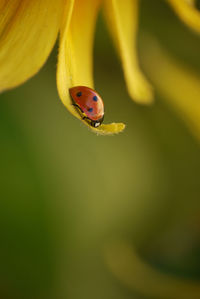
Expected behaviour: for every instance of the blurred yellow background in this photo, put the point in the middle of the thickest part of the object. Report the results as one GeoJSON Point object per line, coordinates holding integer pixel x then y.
{"type": "Point", "coordinates": [68, 197]}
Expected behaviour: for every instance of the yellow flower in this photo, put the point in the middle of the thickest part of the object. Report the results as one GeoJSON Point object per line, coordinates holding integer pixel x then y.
{"type": "Point", "coordinates": [29, 29]}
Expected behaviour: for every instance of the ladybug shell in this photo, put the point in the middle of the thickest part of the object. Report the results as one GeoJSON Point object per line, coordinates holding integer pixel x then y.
{"type": "Point", "coordinates": [89, 102]}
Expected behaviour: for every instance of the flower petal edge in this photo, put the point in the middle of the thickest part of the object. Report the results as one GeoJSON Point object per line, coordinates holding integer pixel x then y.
{"type": "Point", "coordinates": [187, 12]}
{"type": "Point", "coordinates": [121, 17]}
{"type": "Point", "coordinates": [28, 31]}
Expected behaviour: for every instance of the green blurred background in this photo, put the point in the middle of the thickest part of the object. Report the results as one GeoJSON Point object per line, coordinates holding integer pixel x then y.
{"type": "Point", "coordinates": [66, 193]}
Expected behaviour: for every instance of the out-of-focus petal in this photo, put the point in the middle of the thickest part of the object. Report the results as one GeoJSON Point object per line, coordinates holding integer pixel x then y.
{"type": "Point", "coordinates": [187, 12]}
{"type": "Point", "coordinates": [122, 18]}
{"type": "Point", "coordinates": [28, 31]}
{"type": "Point", "coordinates": [179, 85]}
{"type": "Point", "coordinates": [126, 265]}
{"type": "Point", "coordinates": [75, 61]}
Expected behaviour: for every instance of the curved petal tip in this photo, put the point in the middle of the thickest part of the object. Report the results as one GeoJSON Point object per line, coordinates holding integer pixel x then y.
{"type": "Point", "coordinates": [109, 129]}
{"type": "Point", "coordinates": [103, 129]}
{"type": "Point", "coordinates": [142, 92]}
{"type": "Point", "coordinates": [187, 12]}
{"type": "Point", "coordinates": [122, 20]}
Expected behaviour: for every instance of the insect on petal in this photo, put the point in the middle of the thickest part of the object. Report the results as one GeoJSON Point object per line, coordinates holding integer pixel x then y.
{"type": "Point", "coordinates": [75, 61]}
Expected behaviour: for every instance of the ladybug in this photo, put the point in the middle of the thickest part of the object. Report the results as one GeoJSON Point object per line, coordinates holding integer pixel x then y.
{"type": "Point", "coordinates": [88, 103]}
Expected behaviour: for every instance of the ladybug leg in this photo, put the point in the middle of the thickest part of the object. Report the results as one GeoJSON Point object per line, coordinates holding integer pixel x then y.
{"type": "Point", "coordinates": [80, 110]}
{"type": "Point", "coordinates": [85, 117]}
{"type": "Point", "coordinates": [77, 106]}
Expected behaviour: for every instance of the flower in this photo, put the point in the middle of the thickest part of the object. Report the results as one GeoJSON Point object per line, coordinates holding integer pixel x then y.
{"type": "Point", "coordinates": [29, 29]}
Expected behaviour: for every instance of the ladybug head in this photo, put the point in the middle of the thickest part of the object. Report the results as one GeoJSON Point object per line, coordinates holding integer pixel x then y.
{"type": "Point", "coordinates": [96, 123]}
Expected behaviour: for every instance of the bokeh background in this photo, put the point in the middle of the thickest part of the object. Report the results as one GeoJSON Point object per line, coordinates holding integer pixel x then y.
{"type": "Point", "coordinates": [85, 216]}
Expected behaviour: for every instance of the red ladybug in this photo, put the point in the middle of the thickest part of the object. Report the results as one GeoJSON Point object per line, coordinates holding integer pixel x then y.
{"type": "Point", "coordinates": [88, 103]}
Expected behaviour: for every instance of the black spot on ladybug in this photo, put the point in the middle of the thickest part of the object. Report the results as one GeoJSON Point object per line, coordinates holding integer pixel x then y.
{"type": "Point", "coordinates": [79, 94]}
{"type": "Point", "coordinates": [90, 109]}
{"type": "Point", "coordinates": [95, 98]}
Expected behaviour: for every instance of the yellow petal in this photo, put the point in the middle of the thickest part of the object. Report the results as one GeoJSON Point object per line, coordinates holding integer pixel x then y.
{"type": "Point", "coordinates": [179, 85]}
{"type": "Point", "coordinates": [187, 12]}
{"type": "Point", "coordinates": [28, 30]}
{"type": "Point", "coordinates": [110, 129]}
{"type": "Point", "coordinates": [75, 55]}
{"type": "Point", "coordinates": [122, 20]}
